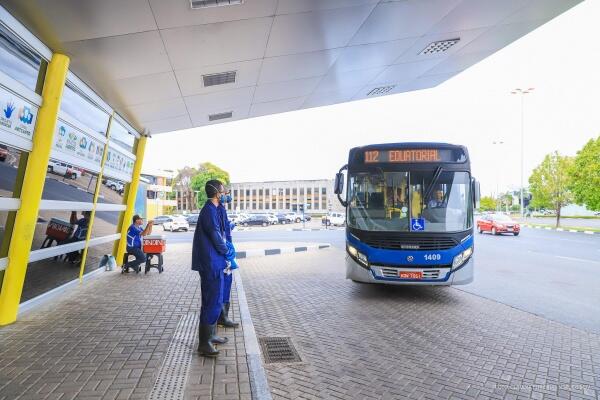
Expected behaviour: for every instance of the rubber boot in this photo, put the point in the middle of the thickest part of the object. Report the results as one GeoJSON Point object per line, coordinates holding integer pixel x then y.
{"type": "Point", "coordinates": [214, 338]}
{"type": "Point", "coordinates": [224, 319]}
{"type": "Point", "coordinates": [205, 347]}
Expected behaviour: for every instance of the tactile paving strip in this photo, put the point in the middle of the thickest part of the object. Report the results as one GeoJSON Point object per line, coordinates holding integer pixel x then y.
{"type": "Point", "coordinates": [278, 350]}
{"type": "Point", "coordinates": [170, 383]}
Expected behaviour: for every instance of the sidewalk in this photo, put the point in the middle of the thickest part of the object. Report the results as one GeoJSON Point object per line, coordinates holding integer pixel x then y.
{"type": "Point", "coordinates": [130, 336]}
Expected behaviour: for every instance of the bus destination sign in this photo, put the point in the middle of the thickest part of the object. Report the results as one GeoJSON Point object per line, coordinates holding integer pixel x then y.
{"type": "Point", "coordinates": [403, 156]}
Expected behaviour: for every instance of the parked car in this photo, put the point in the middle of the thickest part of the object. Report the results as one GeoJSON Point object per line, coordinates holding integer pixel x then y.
{"type": "Point", "coordinates": [117, 186]}
{"type": "Point", "coordinates": [257, 219]}
{"type": "Point", "coordinates": [192, 219]}
{"type": "Point", "coordinates": [497, 224]}
{"type": "Point", "coordinates": [174, 224]}
{"type": "Point", "coordinates": [298, 217]}
{"type": "Point", "coordinates": [161, 219]}
{"type": "Point", "coordinates": [273, 219]}
{"type": "Point", "coordinates": [284, 218]}
{"type": "Point", "coordinates": [3, 152]}
{"type": "Point", "coordinates": [64, 169]}
{"type": "Point", "coordinates": [334, 218]}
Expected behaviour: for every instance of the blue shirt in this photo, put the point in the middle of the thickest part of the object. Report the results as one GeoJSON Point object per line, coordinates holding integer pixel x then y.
{"type": "Point", "coordinates": [81, 230]}
{"type": "Point", "coordinates": [209, 248]}
{"type": "Point", "coordinates": [134, 236]}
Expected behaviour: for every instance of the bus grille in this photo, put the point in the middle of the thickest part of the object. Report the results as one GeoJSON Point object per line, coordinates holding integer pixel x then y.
{"type": "Point", "coordinates": [415, 243]}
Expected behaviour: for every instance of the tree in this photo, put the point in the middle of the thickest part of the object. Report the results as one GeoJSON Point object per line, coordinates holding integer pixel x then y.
{"type": "Point", "coordinates": [487, 203]}
{"type": "Point", "coordinates": [585, 175]}
{"type": "Point", "coordinates": [183, 183]}
{"type": "Point", "coordinates": [206, 172]}
{"type": "Point", "coordinates": [549, 183]}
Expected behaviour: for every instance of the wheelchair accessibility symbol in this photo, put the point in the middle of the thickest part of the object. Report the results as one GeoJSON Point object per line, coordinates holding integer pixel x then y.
{"type": "Point", "coordinates": [417, 224]}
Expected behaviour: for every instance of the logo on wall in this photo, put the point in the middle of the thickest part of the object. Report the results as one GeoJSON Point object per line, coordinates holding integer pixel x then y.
{"type": "Point", "coordinates": [8, 110]}
{"type": "Point", "coordinates": [25, 115]}
{"type": "Point", "coordinates": [62, 131]}
{"type": "Point", "coordinates": [71, 141]}
{"type": "Point", "coordinates": [83, 143]}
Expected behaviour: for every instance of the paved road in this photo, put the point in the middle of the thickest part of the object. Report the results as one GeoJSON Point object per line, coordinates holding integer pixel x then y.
{"type": "Point", "coordinates": [360, 341]}
{"type": "Point", "coordinates": [548, 273]}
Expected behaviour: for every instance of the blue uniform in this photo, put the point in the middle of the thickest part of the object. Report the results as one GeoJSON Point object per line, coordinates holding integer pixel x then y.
{"type": "Point", "coordinates": [208, 258]}
{"type": "Point", "coordinates": [227, 279]}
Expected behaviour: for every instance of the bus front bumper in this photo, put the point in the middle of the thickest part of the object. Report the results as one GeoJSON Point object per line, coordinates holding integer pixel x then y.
{"type": "Point", "coordinates": [388, 275]}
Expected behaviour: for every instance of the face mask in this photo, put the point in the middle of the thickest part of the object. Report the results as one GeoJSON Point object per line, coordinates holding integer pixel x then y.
{"type": "Point", "coordinates": [225, 198]}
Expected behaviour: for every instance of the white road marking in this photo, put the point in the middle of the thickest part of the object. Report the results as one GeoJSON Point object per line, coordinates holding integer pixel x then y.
{"type": "Point", "coordinates": [578, 259]}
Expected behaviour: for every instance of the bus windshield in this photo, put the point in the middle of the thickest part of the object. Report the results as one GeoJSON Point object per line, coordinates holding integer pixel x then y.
{"type": "Point", "coordinates": [426, 200]}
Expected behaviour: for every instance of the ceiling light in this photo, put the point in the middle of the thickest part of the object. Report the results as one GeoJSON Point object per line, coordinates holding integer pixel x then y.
{"type": "Point", "coordinates": [380, 90]}
{"type": "Point", "coordinates": [224, 115]}
{"type": "Point", "coordinates": [197, 4]}
{"type": "Point", "coordinates": [439, 46]}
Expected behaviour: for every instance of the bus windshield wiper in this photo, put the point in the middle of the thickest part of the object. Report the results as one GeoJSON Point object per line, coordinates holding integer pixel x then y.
{"type": "Point", "coordinates": [434, 179]}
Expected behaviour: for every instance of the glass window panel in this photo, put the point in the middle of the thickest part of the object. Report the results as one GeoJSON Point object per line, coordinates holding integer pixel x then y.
{"type": "Point", "coordinates": [9, 164]}
{"type": "Point", "coordinates": [55, 228]}
{"type": "Point", "coordinates": [67, 182]}
{"type": "Point", "coordinates": [17, 60]}
{"type": "Point", "coordinates": [105, 223]}
{"type": "Point", "coordinates": [85, 111]}
{"type": "Point", "coordinates": [95, 254]}
{"type": "Point", "coordinates": [111, 191]}
{"type": "Point", "coordinates": [45, 275]}
{"type": "Point", "coordinates": [121, 136]}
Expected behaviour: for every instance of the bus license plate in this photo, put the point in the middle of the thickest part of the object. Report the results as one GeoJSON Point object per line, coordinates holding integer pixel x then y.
{"type": "Point", "coordinates": [410, 274]}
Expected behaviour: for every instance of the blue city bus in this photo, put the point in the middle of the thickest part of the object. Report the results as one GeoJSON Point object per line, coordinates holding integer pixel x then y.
{"type": "Point", "coordinates": [409, 214]}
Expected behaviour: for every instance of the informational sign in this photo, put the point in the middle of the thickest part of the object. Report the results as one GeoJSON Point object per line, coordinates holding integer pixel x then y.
{"type": "Point", "coordinates": [76, 143]}
{"type": "Point", "coordinates": [417, 224]}
{"type": "Point", "coordinates": [119, 162]}
{"type": "Point", "coordinates": [17, 116]}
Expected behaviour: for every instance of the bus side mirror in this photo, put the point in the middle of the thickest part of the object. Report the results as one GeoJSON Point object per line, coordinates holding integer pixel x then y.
{"type": "Point", "coordinates": [338, 186]}
{"type": "Point", "coordinates": [476, 192]}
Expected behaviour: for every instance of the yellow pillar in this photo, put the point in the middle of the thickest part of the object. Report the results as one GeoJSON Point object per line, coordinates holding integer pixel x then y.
{"type": "Point", "coordinates": [33, 186]}
{"type": "Point", "coordinates": [88, 234]}
{"type": "Point", "coordinates": [132, 188]}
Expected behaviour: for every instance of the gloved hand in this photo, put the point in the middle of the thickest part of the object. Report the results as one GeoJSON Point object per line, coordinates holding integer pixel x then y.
{"type": "Point", "coordinates": [230, 256]}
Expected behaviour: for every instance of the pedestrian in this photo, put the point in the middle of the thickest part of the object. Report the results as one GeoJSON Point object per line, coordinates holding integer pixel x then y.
{"type": "Point", "coordinates": [134, 242]}
{"type": "Point", "coordinates": [228, 276]}
{"type": "Point", "coordinates": [209, 253]}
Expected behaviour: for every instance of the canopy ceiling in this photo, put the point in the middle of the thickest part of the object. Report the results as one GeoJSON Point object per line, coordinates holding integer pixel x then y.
{"type": "Point", "coordinates": [153, 60]}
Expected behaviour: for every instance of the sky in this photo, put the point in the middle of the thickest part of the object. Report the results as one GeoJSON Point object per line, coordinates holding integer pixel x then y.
{"type": "Point", "coordinates": [561, 60]}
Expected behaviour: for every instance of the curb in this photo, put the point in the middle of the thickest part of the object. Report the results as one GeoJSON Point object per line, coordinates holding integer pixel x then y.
{"type": "Point", "coordinates": [548, 228]}
{"type": "Point", "coordinates": [259, 385]}
{"type": "Point", "coordinates": [282, 250]}
{"type": "Point", "coordinates": [313, 229]}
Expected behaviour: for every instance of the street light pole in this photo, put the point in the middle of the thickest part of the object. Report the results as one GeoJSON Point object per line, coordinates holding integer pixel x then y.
{"type": "Point", "coordinates": [497, 142]}
{"type": "Point", "coordinates": [522, 93]}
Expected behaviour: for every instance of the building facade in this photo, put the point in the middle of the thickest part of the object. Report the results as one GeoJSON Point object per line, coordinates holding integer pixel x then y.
{"type": "Point", "coordinates": [283, 196]}
{"type": "Point", "coordinates": [158, 188]}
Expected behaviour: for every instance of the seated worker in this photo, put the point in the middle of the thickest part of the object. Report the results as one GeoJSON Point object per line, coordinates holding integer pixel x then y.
{"type": "Point", "coordinates": [134, 241]}
{"type": "Point", "coordinates": [80, 233]}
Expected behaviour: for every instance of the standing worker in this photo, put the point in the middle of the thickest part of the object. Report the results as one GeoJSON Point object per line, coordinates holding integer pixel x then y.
{"type": "Point", "coordinates": [228, 276]}
{"type": "Point", "coordinates": [209, 254]}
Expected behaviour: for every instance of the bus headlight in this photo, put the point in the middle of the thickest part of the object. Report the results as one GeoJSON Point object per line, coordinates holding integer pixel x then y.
{"type": "Point", "coordinates": [358, 256]}
{"type": "Point", "coordinates": [461, 258]}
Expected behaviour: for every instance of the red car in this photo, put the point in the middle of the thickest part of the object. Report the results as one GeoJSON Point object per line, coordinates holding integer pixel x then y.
{"type": "Point", "coordinates": [497, 224]}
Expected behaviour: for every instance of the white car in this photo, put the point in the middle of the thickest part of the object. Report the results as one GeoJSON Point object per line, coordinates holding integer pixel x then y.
{"type": "Point", "coordinates": [273, 219]}
{"type": "Point", "coordinates": [115, 185]}
{"type": "Point", "coordinates": [64, 169]}
{"type": "Point", "coordinates": [174, 224]}
{"type": "Point", "coordinates": [334, 218]}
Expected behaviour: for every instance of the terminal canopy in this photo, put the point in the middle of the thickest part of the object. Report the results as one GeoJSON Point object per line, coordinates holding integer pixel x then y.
{"type": "Point", "coordinates": [167, 65]}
